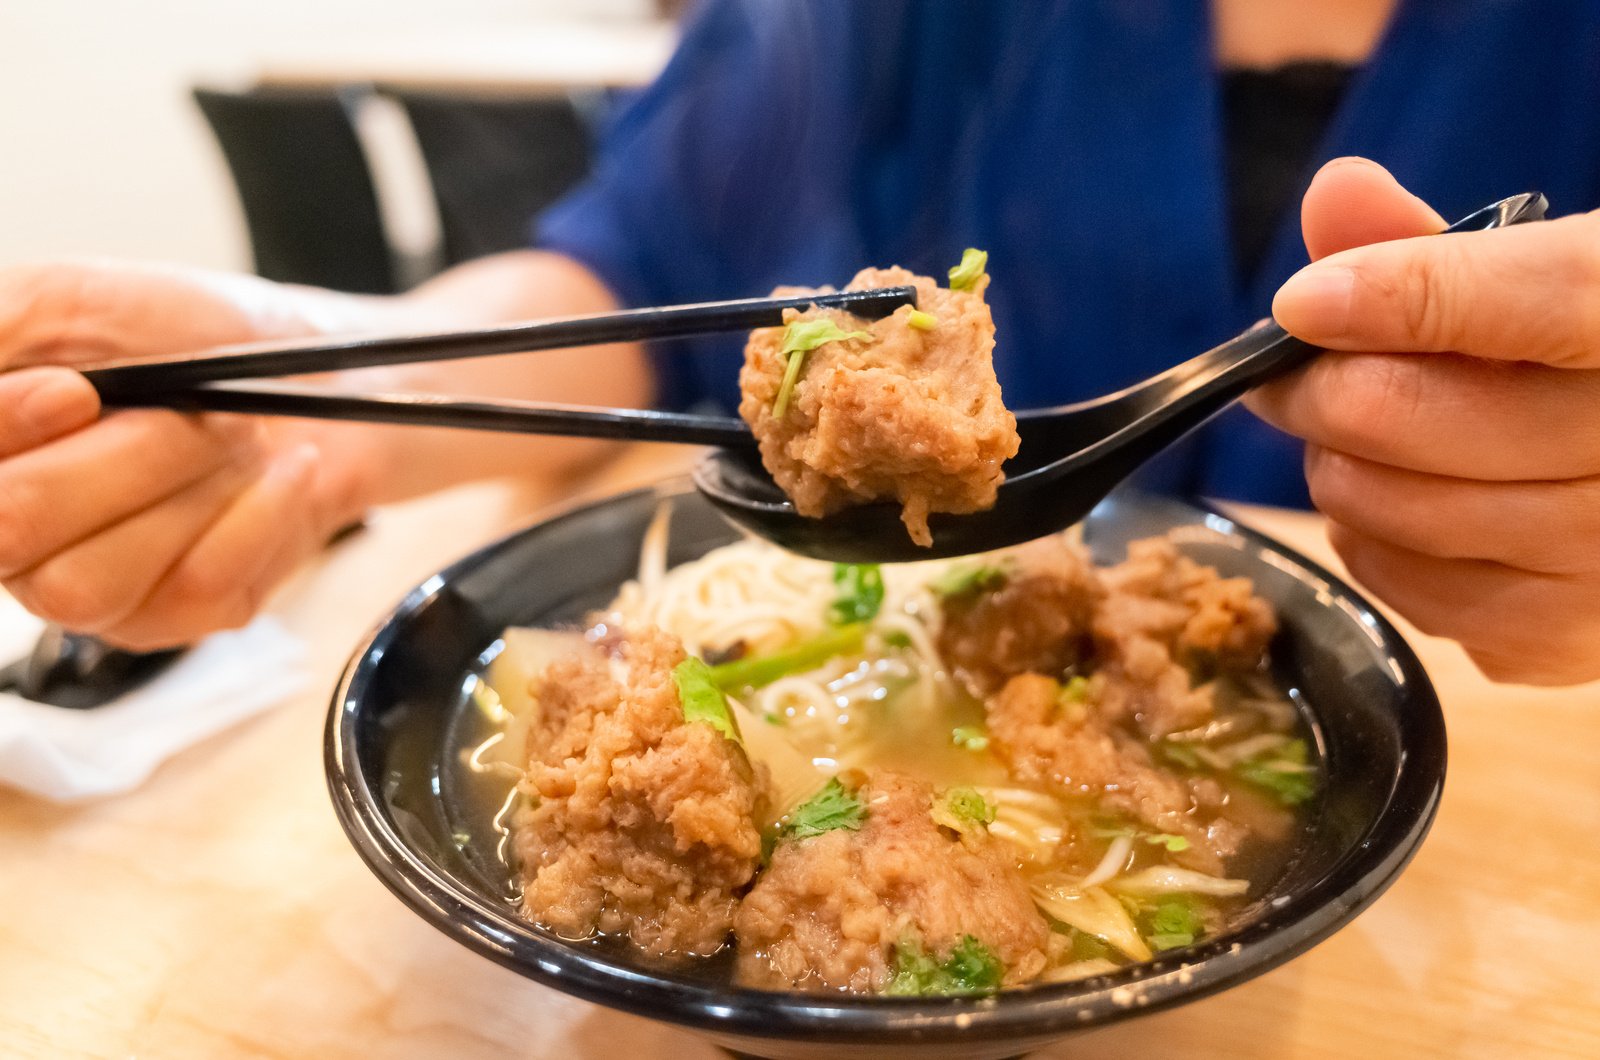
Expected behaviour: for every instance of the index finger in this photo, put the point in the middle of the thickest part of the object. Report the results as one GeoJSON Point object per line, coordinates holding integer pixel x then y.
{"type": "Point", "coordinates": [1530, 292]}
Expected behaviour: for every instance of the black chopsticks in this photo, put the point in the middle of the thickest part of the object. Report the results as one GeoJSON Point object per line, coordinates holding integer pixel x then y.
{"type": "Point", "coordinates": [133, 382]}
{"type": "Point", "coordinates": [208, 381]}
{"type": "Point", "coordinates": [427, 410]}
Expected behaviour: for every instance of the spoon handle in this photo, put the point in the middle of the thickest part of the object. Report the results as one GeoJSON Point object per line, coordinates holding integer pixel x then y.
{"type": "Point", "coordinates": [1266, 350]}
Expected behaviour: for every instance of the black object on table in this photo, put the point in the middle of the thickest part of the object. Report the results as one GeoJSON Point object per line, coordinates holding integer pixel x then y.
{"type": "Point", "coordinates": [81, 672]}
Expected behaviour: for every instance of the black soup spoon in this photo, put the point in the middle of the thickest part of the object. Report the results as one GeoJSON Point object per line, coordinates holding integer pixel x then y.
{"type": "Point", "coordinates": [1071, 455]}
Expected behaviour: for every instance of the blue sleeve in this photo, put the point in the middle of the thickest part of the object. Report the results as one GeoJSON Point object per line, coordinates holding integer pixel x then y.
{"type": "Point", "coordinates": [697, 190]}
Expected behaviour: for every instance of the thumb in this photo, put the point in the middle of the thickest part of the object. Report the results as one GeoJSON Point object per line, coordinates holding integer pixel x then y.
{"type": "Point", "coordinates": [1524, 293]}
{"type": "Point", "coordinates": [1354, 201]}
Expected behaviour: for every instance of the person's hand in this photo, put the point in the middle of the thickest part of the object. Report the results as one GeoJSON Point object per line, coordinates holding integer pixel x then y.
{"type": "Point", "coordinates": [147, 527]}
{"type": "Point", "coordinates": [1454, 443]}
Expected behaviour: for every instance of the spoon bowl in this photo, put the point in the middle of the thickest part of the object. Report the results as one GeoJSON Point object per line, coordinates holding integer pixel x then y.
{"type": "Point", "coordinates": [1071, 456]}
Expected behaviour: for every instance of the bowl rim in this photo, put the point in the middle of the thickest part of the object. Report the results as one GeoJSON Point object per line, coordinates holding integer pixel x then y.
{"type": "Point", "coordinates": [1294, 924]}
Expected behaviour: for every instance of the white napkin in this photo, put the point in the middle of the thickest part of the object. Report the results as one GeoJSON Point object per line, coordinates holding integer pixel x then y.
{"type": "Point", "coordinates": [67, 755]}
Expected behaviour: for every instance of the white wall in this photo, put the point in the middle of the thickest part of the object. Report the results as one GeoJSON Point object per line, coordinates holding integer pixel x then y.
{"type": "Point", "coordinates": [101, 150]}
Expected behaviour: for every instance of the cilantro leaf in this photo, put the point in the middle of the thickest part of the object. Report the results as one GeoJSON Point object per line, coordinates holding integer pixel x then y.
{"type": "Point", "coordinates": [769, 843]}
{"type": "Point", "coordinates": [860, 593]}
{"type": "Point", "coordinates": [1174, 923]}
{"type": "Point", "coordinates": [1282, 772]}
{"type": "Point", "coordinates": [702, 700]}
{"type": "Point", "coordinates": [959, 581]}
{"type": "Point", "coordinates": [832, 807]}
{"type": "Point", "coordinates": [971, 968]}
{"type": "Point", "coordinates": [966, 275]}
{"type": "Point", "coordinates": [915, 973]}
{"type": "Point", "coordinates": [972, 737]}
{"type": "Point", "coordinates": [799, 339]}
{"type": "Point", "coordinates": [1179, 753]}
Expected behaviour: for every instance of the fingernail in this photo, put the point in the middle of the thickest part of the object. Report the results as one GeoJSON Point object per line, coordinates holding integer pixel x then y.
{"type": "Point", "coordinates": [1315, 302]}
{"type": "Point", "coordinates": [56, 405]}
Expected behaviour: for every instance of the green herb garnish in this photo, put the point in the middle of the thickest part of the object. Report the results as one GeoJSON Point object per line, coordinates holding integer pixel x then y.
{"type": "Point", "coordinates": [962, 809]}
{"type": "Point", "coordinates": [959, 581]}
{"type": "Point", "coordinates": [915, 973]}
{"type": "Point", "coordinates": [972, 737]}
{"type": "Point", "coordinates": [966, 275]}
{"type": "Point", "coordinates": [769, 843]}
{"type": "Point", "coordinates": [702, 700]}
{"type": "Point", "coordinates": [1087, 947]}
{"type": "Point", "coordinates": [922, 321]}
{"type": "Point", "coordinates": [860, 596]}
{"type": "Point", "coordinates": [761, 670]}
{"type": "Point", "coordinates": [799, 339]}
{"type": "Point", "coordinates": [1074, 690]}
{"type": "Point", "coordinates": [1174, 923]}
{"type": "Point", "coordinates": [1282, 772]}
{"type": "Point", "coordinates": [971, 968]}
{"type": "Point", "coordinates": [1178, 753]}
{"type": "Point", "coordinates": [1175, 844]}
{"type": "Point", "coordinates": [833, 807]}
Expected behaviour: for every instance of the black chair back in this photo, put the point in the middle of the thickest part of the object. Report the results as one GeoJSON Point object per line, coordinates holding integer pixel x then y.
{"type": "Point", "coordinates": [305, 186]}
{"type": "Point", "coordinates": [495, 164]}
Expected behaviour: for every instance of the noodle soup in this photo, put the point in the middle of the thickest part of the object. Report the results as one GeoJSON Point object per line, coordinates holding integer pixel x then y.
{"type": "Point", "coordinates": [926, 778]}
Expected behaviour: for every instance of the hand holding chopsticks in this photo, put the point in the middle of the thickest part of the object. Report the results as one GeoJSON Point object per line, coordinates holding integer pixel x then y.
{"type": "Point", "coordinates": [207, 381]}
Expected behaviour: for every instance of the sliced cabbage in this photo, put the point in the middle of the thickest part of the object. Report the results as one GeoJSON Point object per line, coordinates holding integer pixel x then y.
{"type": "Point", "coordinates": [1170, 879]}
{"type": "Point", "coordinates": [1079, 970]}
{"type": "Point", "coordinates": [528, 652]}
{"type": "Point", "coordinates": [1093, 912]}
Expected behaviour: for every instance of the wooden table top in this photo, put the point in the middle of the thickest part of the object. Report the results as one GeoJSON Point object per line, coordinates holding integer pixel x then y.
{"type": "Point", "coordinates": [219, 911]}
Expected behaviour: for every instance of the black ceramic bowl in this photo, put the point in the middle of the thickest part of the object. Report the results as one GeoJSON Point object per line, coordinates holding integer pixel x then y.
{"type": "Point", "coordinates": [400, 720]}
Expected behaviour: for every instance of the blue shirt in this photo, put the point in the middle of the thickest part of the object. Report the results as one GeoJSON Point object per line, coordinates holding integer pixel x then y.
{"type": "Point", "coordinates": [797, 141]}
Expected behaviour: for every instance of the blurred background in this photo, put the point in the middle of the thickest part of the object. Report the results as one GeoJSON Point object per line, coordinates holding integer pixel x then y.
{"type": "Point", "coordinates": [108, 152]}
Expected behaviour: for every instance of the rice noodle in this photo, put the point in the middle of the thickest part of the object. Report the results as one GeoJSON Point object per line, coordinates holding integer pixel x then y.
{"type": "Point", "coordinates": [653, 549]}
{"type": "Point", "coordinates": [752, 595]}
{"type": "Point", "coordinates": [1115, 860]}
{"type": "Point", "coordinates": [747, 592]}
